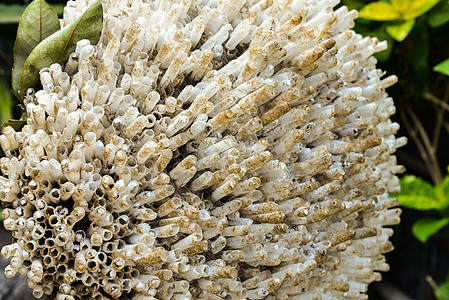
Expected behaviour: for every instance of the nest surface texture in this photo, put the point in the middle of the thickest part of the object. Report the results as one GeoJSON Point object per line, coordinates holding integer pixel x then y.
{"type": "Point", "coordinates": [205, 149]}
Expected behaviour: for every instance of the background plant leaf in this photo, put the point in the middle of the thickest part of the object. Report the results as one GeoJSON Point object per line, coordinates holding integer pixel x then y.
{"type": "Point", "coordinates": [442, 67]}
{"type": "Point", "coordinates": [442, 190]}
{"type": "Point", "coordinates": [401, 6]}
{"type": "Point", "coordinates": [11, 13]}
{"type": "Point", "coordinates": [400, 31]}
{"type": "Point", "coordinates": [439, 15]}
{"type": "Point", "coordinates": [424, 228]}
{"type": "Point", "coordinates": [379, 11]}
{"type": "Point", "coordinates": [39, 20]}
{"type": "Point", "coordinates": [419, 194]}
{"type": "Point", "coordinates": [5, 100]}
{"type": "Point", "coordinates": [419, 54]}
{"type": "Point", "coordinates": [57, 47]}
{"type": "Point", "coordinates": [418, 8]}
{"type": "Point", "coordinates": [442, 292]}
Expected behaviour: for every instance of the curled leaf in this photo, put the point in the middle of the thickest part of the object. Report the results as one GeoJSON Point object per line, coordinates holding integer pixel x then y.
{"type": "Point", "coordinates": [16, 124]}
{"type": "Point", "coordinates": [57, 47]}
{"type": "Point", "coordinates": [38, 21]}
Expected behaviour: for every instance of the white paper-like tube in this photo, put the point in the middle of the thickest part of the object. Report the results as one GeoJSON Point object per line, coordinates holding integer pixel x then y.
{"type": "Point", "coordinates": [256, 132]}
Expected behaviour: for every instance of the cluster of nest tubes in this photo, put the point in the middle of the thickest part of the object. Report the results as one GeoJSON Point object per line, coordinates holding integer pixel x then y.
{"type": "Point", "coordinates": [205, 149]}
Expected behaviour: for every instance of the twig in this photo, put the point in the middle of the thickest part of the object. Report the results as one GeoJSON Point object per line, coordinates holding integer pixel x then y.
{"type": "Point", "coordinates": [425, 155]}
{"type": "Point", "coordinates": [408, 159]}
{"type": "Point", "coordinates": [429, 96]}
{"type": "Point", "coordinates": [414, 136]}
{"type": "Point", "coordinates": [446, 126]}
{"type": "Point", "coordinates": [440, 119]}
{"type": "Point", "coordinates": [431, 151]}
{"type": "Point", "coordinates": [431, 282]}
{"type": "Point", "coordinates": [437, 130]}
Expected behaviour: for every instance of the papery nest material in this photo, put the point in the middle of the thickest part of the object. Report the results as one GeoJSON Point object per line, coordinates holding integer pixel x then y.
{"type": "Point", "coordinates": [206, 150]}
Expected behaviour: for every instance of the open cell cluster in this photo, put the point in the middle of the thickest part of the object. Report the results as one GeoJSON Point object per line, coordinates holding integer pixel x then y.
{"type": "Point", "coordinates": [205, 149]}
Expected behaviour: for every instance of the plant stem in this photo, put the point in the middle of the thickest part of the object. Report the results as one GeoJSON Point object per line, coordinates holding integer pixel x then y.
{"type": "Point", "coordinates": [432, 98]}
{"type": "Point", "coordinates": [431, 282]}
{"type": "Point", "coordinates": [446, 126]}
{"type": "Point", "coordinates": [440, 116]}
{"type": "Point", "coordinates": [434, 166]}
{"type": "Point", "coordinates": [425, 148]}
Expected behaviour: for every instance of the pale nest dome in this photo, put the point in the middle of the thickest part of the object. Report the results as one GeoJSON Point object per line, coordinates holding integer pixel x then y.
{"type": "Point", "coordinates": [206, 149]}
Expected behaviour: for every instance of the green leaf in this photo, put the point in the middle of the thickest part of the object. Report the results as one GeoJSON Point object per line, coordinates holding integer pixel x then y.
{"type": "Point", "coordinates": [442, 292]}
{"type": "Point", "coordinates": [419, 202]}
{"type": "Point", "coordinates": [57, 47]}
{"type": "Point", "coordinates": [11, 13]}
{"type": "Point", "coordinates": [400, 31]}
{"type": "Point", "coordinates": [419, 194]}
{"type": "Point", "coordinates": [439, 15]}
{"type": "Point", "coordinates": [418, 8]}
{"type": "Point", "coordinates": [16, 124]}
{"type": "Point", "coordinates": [411, 9]}
{"type": "Point", "coordinates": [401, 6]}
{"type": "Point", "coordinates": [38, 21]}
{"type": "Point", "coordinates": [442, 67]}
{"type": "Point", "coordinates": [424, 228]}
{"type": "Point", "coordinates": [442, 190]}
{"type": "Point", "coordinates": [379, 11]}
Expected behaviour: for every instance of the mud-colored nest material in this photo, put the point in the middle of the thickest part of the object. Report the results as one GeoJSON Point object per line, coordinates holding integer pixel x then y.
{"type": "Point", "coordinates": [206, 150]}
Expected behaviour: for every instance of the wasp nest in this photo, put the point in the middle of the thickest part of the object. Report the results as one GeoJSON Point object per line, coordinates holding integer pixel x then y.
{"type": "Point", "coordinates": [205, 149]}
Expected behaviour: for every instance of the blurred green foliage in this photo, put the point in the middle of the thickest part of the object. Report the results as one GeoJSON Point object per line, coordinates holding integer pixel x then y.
{"type": "Point", "coordinates": [417, 193]}
{"type": "Point", "coordinates": [442, 67]}
{"type": "Point", "coordinates": [402, 15]}
{"type": "Point", "coordinates": [421, 195]}
{"type": "Point", "coordinates": [5, 100]}
{"type": "Point", "coordinates": [442, 291]}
